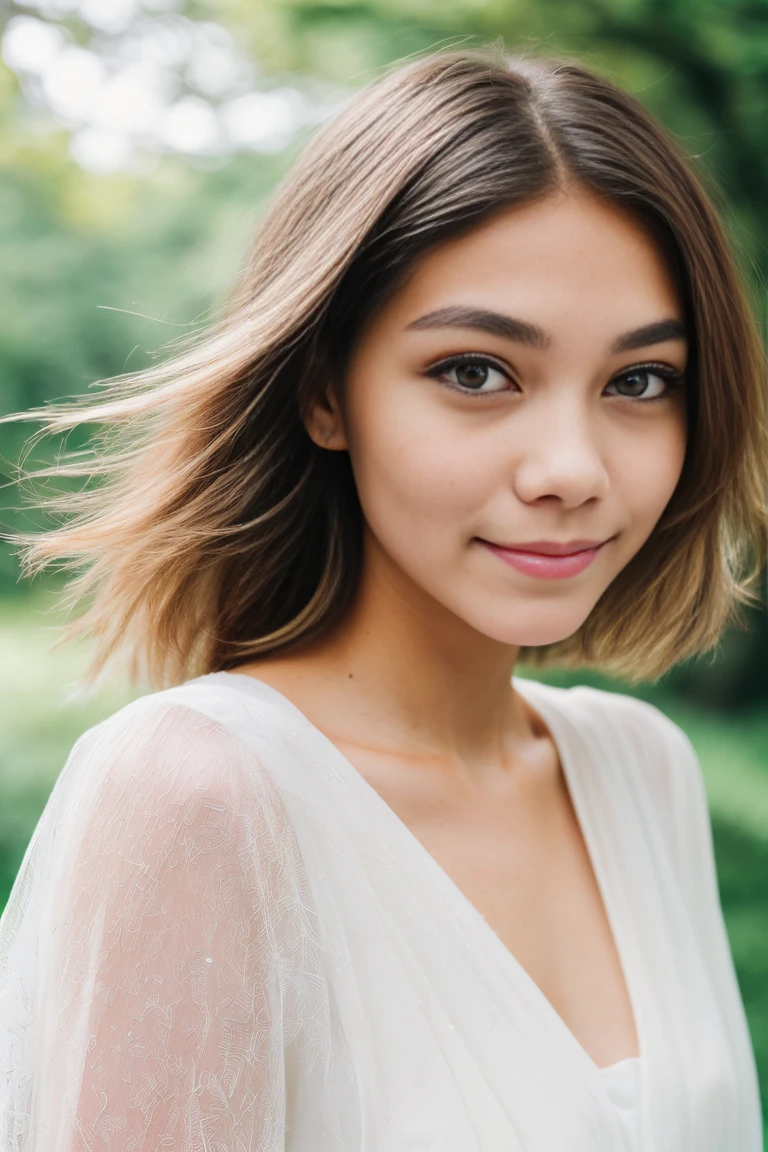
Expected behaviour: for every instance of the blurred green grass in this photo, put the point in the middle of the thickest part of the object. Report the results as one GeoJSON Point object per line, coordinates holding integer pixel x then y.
{"type": "Point", "coordinates": [39, 723]}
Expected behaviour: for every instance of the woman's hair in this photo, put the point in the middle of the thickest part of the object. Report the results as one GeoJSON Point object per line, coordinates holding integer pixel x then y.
{"type": "Point", "coordinates": [220, 532]}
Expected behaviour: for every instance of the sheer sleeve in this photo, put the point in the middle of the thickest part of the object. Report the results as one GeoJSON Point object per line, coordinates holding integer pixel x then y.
{"type": "Point", "coordinates": [160, 973]}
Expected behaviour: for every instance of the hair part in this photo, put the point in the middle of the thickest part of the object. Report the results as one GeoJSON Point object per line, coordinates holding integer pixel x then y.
{"type": "Point", "coordinates": [219, 532]}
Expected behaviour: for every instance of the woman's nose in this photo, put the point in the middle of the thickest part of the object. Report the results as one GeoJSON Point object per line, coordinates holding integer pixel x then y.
{"type": "Point", "coordinates": [561, 459]}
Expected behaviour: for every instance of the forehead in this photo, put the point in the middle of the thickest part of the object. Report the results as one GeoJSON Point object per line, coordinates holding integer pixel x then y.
{"type": "Point", "coordinates": [567, 259]}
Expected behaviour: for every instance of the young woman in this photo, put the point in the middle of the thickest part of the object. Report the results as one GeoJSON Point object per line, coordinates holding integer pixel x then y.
{"type": "Point", "coordinates": [488, 390]}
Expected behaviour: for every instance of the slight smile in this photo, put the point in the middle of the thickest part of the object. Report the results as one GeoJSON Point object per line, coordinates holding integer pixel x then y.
{"type": "Point", "coordinates": [546, 559]}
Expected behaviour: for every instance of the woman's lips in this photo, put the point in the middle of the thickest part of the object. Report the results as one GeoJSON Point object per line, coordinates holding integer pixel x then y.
{"type": "Point", "coordinates": [547, 565]}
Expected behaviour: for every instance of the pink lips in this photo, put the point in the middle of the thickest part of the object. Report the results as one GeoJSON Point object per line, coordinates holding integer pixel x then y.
{"type": "Point", "coordinates": [548, 560]}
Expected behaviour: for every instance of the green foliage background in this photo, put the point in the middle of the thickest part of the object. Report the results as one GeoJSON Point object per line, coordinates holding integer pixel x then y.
{"type": "Point", "coordinates": [99, 272]}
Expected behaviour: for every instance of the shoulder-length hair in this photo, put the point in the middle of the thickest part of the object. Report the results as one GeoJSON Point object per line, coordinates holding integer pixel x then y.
{"type": "Point", "coordinates": [219, 532]}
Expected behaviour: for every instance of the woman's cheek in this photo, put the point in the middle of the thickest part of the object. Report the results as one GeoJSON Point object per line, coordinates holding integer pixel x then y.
{"type": "Point", "coordinates": [433, 477]}
{"type": "Point", "coordinates": [418, 492]}
{"type": "Point", "coordinates": [649, 474]}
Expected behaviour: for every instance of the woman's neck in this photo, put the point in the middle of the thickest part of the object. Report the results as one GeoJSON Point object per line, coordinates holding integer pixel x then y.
{"type": "Point", "coordinates": [401, 673]}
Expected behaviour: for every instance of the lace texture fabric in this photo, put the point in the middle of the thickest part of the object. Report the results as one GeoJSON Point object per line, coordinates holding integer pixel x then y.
{"type": "Point", "coordinates": [171, 974]}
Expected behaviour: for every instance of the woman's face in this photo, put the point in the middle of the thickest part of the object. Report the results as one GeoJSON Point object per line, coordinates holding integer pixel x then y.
{"type": "Point", "coordinates": [520, 395]}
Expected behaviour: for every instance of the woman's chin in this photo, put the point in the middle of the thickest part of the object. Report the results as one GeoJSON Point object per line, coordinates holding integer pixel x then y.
{"type": "Point", "coordinates": [532, 633]}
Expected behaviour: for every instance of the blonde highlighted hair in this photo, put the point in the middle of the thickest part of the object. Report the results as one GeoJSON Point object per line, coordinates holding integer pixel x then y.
{"type": "Point", "coordinates": [218, 531]}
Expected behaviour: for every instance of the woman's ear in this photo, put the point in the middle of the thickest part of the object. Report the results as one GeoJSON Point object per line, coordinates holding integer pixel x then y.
{"type": "Point", "coordinates": [324, 422]}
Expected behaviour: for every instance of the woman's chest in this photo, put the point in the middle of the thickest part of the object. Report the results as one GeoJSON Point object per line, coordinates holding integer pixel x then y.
{"type": "Point", "coordinates": [518, 855]}
{"type": "Point", "coordinates": [525, 1000]}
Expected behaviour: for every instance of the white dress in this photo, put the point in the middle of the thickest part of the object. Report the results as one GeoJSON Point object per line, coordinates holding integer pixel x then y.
{"type": "Point", "coordinates": [624, 1084]}
{"type": "Point", "coordinates": [222, 939]}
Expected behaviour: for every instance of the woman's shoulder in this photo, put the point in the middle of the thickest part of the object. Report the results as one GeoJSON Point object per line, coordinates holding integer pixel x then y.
{"type": "Point", "coordinates": [634, 745]}
{"type": "Point", "coordinates": [190, 737]}
{"type": "Point", "coordinates": [640, 726]}
{"type": "Point", "coordinates": [205, 704]}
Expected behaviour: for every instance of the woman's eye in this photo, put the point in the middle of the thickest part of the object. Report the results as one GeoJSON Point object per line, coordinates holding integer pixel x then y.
{"type": "Point", "coordinates": [644, 383]}
{"type": "Point", "coordinates": [473, 375]}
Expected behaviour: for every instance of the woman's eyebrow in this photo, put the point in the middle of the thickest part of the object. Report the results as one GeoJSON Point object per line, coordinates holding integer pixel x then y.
{"type": "Point", "coordinates": [656, 333]}
{"type": "Point", "coordinates": [495, 323]}
{"type": "Point", "coordinates": [523, 332]}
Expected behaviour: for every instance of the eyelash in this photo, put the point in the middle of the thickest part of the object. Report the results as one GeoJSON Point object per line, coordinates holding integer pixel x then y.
{"type": "Point", "coordinates": [673, 378]}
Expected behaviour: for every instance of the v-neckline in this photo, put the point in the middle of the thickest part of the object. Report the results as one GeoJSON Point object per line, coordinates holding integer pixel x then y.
{"type": "Point", "coordinates": [551, 720]}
